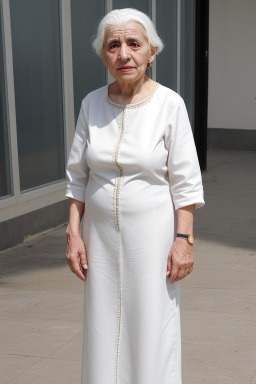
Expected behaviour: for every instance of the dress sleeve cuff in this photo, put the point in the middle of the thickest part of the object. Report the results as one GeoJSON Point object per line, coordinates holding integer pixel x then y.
{"type": "Point", "coordinates": [184, 201]}
{"type": "Point", "coordinates": [75, 194]}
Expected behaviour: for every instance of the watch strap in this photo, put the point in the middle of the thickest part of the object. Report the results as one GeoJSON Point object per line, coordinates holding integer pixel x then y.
{"type": "Point", "coordinates": [181, 235]}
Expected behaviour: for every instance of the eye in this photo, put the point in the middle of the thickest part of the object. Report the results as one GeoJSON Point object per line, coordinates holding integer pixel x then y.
{"type": "Point", "coordinates": [113, 46]}
{"type": "Point", "coordinates": [134, 44]}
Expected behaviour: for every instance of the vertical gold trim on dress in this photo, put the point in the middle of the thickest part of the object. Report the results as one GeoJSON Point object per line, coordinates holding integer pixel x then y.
{"type": "Point", "coordinates": [116, 209]}
{"type": "Point", "coordinates": [119, 170]}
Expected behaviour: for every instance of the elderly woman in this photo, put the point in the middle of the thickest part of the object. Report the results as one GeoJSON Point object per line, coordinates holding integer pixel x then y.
{"type": "Point", "coordinates": [134, 177]}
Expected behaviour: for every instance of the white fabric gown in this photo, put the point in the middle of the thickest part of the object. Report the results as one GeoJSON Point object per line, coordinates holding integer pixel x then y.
{"type": "Point", "coordinates": [133, 166]}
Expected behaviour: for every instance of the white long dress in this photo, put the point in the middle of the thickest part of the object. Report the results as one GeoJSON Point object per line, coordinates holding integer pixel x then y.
{"type": "Point", "coordinates": [133, 165]}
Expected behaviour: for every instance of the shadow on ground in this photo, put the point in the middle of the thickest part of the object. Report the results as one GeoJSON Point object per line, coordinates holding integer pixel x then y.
{"type": "Point", "coordinates": [42, 252]}
{"type": "Point", "coordinates": [229, 216]}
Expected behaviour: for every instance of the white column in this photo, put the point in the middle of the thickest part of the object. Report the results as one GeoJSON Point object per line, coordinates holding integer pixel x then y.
{"type": "Point", "coordinates": [10, 98]}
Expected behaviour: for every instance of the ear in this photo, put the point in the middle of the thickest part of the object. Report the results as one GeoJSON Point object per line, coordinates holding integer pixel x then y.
{"type": "Point", "coordinates": [153, 52]}
{"type": "Point", "coordinates": [103, 57]}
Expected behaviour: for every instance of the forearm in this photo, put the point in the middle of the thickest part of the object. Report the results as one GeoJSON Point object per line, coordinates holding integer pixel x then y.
{"type": "Point", "coordinates": [76, 210]}
{"type": "Point", "coordinates": [185, 218]}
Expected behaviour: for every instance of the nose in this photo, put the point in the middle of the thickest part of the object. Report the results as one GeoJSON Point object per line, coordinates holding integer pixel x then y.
{"type": "Point", "coordinates": [124, 53]}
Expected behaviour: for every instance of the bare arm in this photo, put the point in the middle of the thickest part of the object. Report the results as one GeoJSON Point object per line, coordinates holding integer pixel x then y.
{"type": "Point", "coordinates": [180, 259]}
{"type": "Point", "coordinates": [76, 211]}
{"type": "Point", "coordinates": [185, 217]}
{"type": "Point", "coordinates": [76, 253]}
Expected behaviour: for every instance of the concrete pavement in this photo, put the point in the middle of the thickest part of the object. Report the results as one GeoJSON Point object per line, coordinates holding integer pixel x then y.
{"type": "Point", "coordinates": [41, 300]}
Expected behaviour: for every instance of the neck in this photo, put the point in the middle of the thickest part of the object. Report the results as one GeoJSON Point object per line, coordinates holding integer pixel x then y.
{"type": "Point", "coordinates": [127, 91]}
{"type": "Point", "coordinates": [130, 89]}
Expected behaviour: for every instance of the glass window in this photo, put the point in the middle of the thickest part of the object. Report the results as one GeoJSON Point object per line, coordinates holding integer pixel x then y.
{"type": "Point", "coordinates": [5, 180]}
{"type": "Point", "coordinates": [35, 26]}
{"type": "Point", "coordinates": [88, 69]}
{"type": "Point", "coordinates": [166, 62]}
{"type": "Point", "coordinates": [141, 5]}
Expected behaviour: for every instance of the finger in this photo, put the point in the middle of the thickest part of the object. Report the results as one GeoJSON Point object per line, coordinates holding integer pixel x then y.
{"type": "Point", "coordinates": [83, 259]}
{"type": "Point", "coordinates": [169, 264]}
{"type": "Point", "coordinates": [77, 270]}
{"type": "Point", "coordinates": [75, 267]}
{"type": "Point", "coordinates": [182, 275]}
{"type": "Point", "coordinates": [186, 272]}
{"type": "Point", "coordinates": [178, 279]}
{"type": "Point", "coordinates": [174, 273]}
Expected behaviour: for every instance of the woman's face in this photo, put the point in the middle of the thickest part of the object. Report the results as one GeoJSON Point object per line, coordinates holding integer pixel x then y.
{"type": "Point", "coordinates": [126, 52]}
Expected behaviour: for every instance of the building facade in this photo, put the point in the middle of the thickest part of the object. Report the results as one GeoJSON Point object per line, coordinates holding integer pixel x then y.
{"type": "Point", "coordinates": [232, 79]}
{"type": "Point", "coordinates": [47, 66]}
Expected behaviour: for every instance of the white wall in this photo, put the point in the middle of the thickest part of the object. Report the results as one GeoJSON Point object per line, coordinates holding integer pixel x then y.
{"type": "Point", "coordinates": [232, 64]}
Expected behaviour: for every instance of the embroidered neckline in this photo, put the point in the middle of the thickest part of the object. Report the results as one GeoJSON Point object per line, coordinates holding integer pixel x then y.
{"type": "Point", "coordinates": [134, 105]}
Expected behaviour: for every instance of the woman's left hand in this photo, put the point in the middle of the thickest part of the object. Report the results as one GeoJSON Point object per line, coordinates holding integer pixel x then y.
{"type": "Point", "coordinates": [180, 260]}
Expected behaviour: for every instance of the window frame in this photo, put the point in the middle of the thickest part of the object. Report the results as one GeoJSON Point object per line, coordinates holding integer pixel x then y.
{"type": "Point", "coordinates": [5, 114]}
{"type": "Point", "coordinates": [24, 202]}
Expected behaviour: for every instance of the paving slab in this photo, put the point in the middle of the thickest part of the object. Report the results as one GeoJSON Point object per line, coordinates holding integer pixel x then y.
{"type": "Point", "coordinates": [220, 301]}
{"type": "Point", "coordinates": [42, 301]}
{"type": "Point", "coordinates": [219, 359]}
{"type": "Point", "coordinates": [212, 379]}
{"type": "Point", "coordinates": [12, 366]}
{"type": "Point", "coordinates": [50, 371]}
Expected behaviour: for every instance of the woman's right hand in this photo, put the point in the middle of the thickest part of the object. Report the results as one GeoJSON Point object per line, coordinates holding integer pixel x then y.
{"type": "Point", "coordinates": [76, 255]}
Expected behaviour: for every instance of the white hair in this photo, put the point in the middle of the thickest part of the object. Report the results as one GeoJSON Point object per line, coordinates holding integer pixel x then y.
{"type": "Point", "coordinates": [122, 16]}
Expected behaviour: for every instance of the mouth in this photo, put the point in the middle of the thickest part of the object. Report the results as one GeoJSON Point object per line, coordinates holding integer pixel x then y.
{"type": "Point", "coordinates": [125, 68]}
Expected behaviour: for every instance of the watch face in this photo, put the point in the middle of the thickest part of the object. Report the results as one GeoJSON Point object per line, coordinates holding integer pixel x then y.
{"type": "Point", "coordinates": [191, 239]}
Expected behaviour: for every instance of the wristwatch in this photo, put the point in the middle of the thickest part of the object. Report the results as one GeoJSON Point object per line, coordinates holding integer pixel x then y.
{"type": "Point", "coordinates": [190, 238]}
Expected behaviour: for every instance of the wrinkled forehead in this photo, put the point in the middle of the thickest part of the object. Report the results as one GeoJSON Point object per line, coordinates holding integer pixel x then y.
{"type": "Point", "coordinates": [131, 29]}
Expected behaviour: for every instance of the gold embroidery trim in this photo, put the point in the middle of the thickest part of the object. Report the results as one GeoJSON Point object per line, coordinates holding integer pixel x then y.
{"type": "Point", "coordinates": [116, 211]}
{"type": "Point", "coordinates": [119, 171]}
{"type": "Point", "coordinates": [132, 106]}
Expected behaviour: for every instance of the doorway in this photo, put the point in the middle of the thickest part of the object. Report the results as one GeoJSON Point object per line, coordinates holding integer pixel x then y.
{"type": "Point", "coordinates": [183, 64]}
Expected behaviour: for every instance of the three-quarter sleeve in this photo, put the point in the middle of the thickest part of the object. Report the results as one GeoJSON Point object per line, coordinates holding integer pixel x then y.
{"type": "Point", "coordinates": [183, 167]}
{"type": "Point", "coordinates": [77, 169]}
